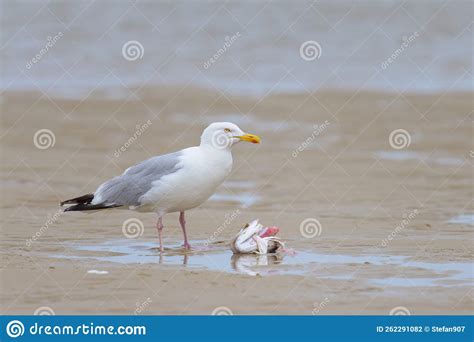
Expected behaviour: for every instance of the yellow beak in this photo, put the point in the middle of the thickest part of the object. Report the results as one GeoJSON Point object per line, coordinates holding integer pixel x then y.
{"type": "Point", "coordinates": [254, 139]}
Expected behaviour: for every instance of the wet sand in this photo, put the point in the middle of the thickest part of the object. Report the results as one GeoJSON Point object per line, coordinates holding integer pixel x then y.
{"type": "Point", "coordinates": [346, 175]}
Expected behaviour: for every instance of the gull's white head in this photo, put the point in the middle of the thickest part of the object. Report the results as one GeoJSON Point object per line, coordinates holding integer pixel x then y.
{"type": "Point", "coordinates": [222, 135]}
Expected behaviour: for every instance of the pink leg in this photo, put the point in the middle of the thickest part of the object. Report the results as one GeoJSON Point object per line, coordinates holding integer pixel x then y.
{"type": "Point", "coordinates": [159, 226]}
{"type": "Point", "coordinates": [182, 221]}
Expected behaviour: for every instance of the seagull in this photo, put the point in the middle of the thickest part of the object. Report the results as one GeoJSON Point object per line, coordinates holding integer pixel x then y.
{"type": "Point", "coordinates": [169, 183]}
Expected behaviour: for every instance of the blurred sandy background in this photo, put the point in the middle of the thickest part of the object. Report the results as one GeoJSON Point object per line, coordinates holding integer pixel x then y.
{"type": "Point", "coordinates": [371, 136]}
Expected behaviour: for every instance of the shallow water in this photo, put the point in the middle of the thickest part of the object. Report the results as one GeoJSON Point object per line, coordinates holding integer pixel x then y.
{"type": "Point", "coordinates": [218, 257]}
{"type": "Point", "coordinates": [178, 38]}
{"type": "Point", "coordinates": [237, 192]}
{"type": "Point", "coordinates": [418, 156]}
{"type": "Point", "coordinates": [463, 219]}
{"type": "Point", "coordinates": [244, 199]}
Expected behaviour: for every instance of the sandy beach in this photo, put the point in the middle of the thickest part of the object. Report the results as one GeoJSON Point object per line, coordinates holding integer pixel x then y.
{"type": "Point", "coordinates": [365, 114]}
{"type": "Point", "coordinates": [347, 177]}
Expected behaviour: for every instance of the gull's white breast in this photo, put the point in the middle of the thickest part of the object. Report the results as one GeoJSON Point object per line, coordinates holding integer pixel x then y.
{"type": "Point", "coordinates": [201, 171]}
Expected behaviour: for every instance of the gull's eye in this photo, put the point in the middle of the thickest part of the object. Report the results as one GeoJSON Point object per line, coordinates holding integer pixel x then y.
{"type": "Point", "coordinates": [247, 225]}
{"type": "Point", "coordinates": [227, 130]}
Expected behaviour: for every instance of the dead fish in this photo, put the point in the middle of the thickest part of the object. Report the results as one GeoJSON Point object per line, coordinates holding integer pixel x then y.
{"type": "Point", "coordinates": [257, 239]}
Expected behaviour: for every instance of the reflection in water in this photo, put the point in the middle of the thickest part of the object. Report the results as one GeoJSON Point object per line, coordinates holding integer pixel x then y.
{"type": "Point", "coordinates": [161, 258]}
{"type": "Point", "coordinates": [218, 257]}
{"type": "Point", "coordinates": [246, 263]}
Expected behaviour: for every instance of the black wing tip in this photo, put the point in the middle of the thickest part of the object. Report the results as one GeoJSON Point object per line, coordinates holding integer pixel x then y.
{"type": "Point", "coordinates": [85, 207]}
{"type": "Point", "coordinates": [83, 203]}
{"type": "Point", "coordinates": [85, 199]}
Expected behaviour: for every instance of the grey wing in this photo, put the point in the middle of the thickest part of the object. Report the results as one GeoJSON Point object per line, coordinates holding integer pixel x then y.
{"type": "Point", "coordinates": [137, 180]}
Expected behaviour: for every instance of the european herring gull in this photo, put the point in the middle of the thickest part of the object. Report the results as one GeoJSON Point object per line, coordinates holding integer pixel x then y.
{"type": "Point", "coordinates": [172, 182]}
